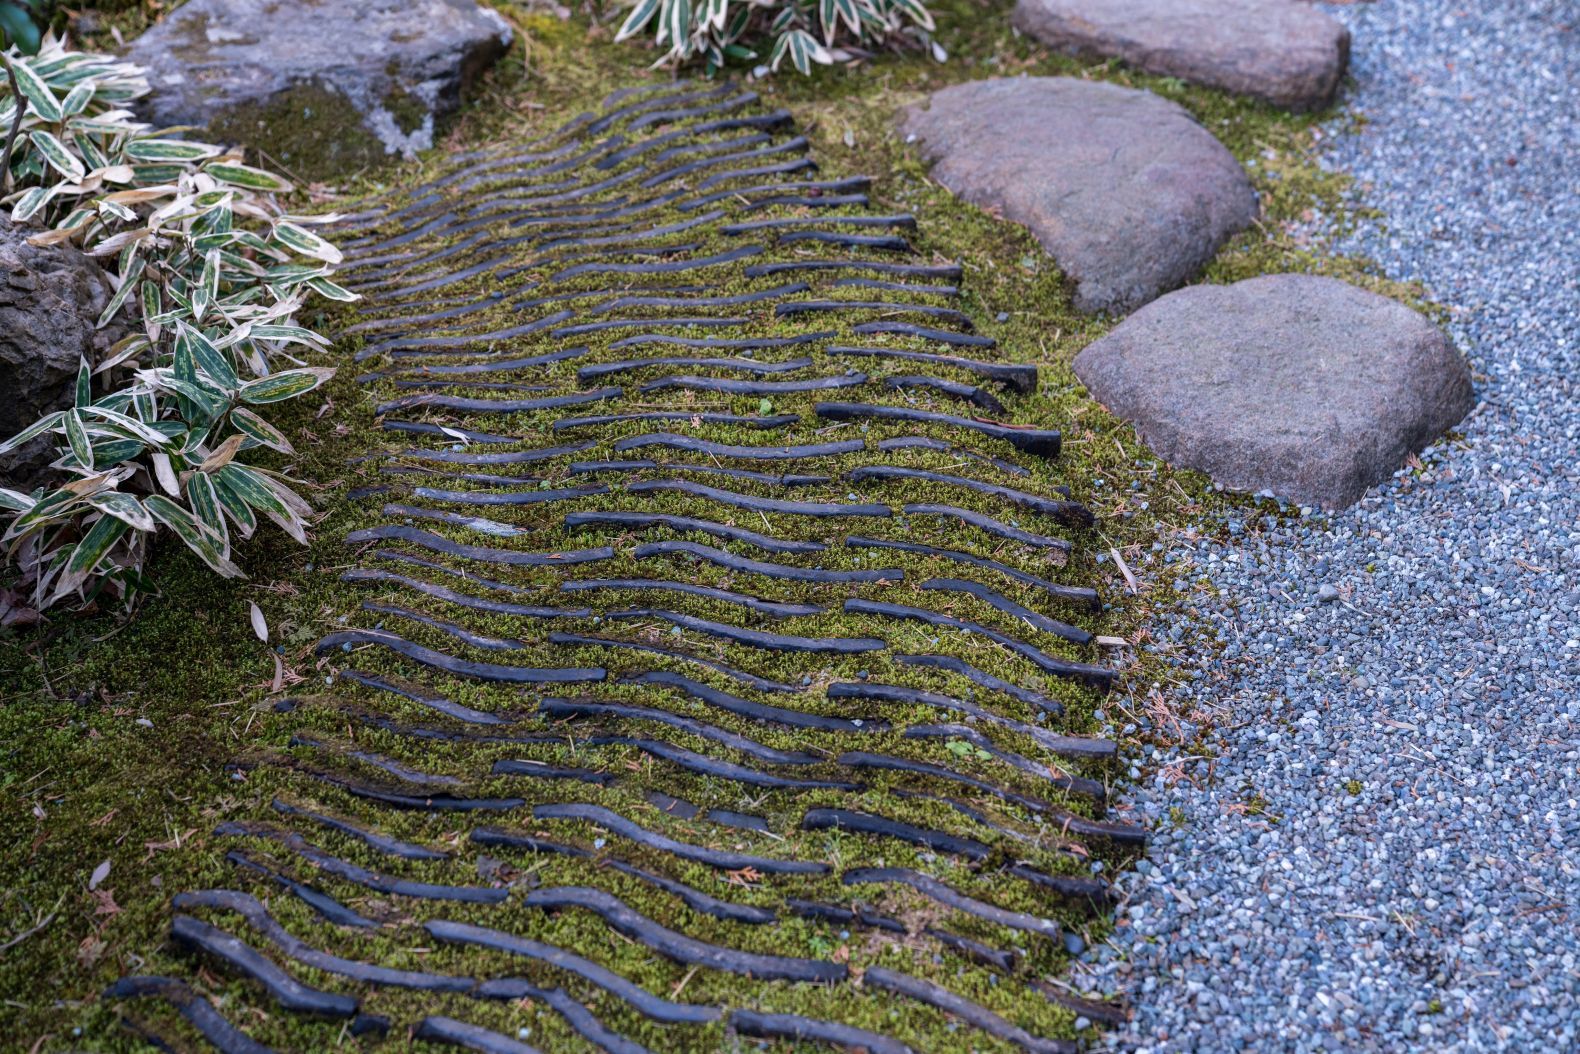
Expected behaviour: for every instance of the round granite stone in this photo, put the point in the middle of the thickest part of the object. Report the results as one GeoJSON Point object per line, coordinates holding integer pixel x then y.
{"type": "Point", "coordinates": [1306, 387]}
{"type": "Point", "coordinates": [1127, 192]}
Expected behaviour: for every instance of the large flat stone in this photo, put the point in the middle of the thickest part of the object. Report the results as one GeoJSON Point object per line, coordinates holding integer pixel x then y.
{"type": "Point", "coordinates": [1303, 386]}
{"type": "Point", "coordinates": [1127, 192]}
{"type": "Point", "coordinates": [1282, 51]}
{"type": "Point", "coordinates": [322, 88]}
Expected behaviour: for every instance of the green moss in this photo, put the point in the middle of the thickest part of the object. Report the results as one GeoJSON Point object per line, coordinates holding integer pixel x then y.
{"type": "Point", "coordinates": [309, 131]}
{"type": "Point", "coordinates": [408, 111]}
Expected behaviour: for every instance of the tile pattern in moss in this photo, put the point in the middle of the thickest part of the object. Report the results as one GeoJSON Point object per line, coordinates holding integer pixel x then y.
{"type": "Point", "coordinates": [688, 704]}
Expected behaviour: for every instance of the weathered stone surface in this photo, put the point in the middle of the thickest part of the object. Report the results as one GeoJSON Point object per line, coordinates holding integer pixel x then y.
{"type": "Point", "coordinates": [322, 88]}
{"type": "Point", "coordinates": [1125, 189]}
{"type": "Point", "coordinates": [1287, 53]}
{"type": "Point", "coordinates": [1303, 386]}
{"type": "Point", "coordinates": [50, 298]}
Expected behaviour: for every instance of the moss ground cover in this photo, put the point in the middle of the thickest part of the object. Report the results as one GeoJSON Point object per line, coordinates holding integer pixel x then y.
{"type": "Point", "coordinates": [128, 743]}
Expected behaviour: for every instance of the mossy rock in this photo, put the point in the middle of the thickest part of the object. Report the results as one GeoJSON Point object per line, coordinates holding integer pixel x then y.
{"type": "Point", "coordinates": [321, 90]}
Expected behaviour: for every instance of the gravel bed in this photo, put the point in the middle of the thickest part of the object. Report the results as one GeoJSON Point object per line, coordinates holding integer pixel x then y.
{"type": "Point", "coordinates": [1385, 855]}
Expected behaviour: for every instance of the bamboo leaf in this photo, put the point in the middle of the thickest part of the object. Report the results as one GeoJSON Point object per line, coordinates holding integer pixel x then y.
{"type": "Point", "coordinates": [207, 290]}
{"type": "Point", "coordinates": [56, 505]}
{"type": "Point", "coordinates": [210, 359]}
{"type": "Point", "coordinates": [84, 392]}
{"type": "Point", "coordinates": [236, 507]}
{"type": "Point", "coordinates": [324, 287]}
{"type": "Point", "coordinates": [165, 473]}
{"type": "Point", "coordinates": [100, 537]}
{"type": "Point", "coordinates": [305, 242]}
{"type": "Point", "coordinates": [678, 22]}
{"type": "Point", "coordinates": [124, 507]}
{"type": "Point", "coordinates": [206, 508]}
{"type": "Point", "coordinates": [59, 234]}
{"type": "Point", "coordinates": [78, 98]}
{"type": "Point", "coordinates": [287, 384]}
{"type": "Point", "coordinates": [37, 428]}
{"type": "Point", "coordinates": [77, 438]}
{"type": "Point", "coordinates": [223, 455]}
{"type": "Point", "coordinates": [14, 500]}
{"type": "Point", "coordinates": [260, 431]}
{"type": "Point", "coordinates": [289, 334]}
{"type": "Point", "coordinates": [54, 152]}
{"type": "Point", "coordinates": [138, 429]}
{"type": "Point", "coordinates": [259, 625]}
{"type": "Point", "coordinates": [247, 177]}
{"type": "Point", "coordinates": [639, 17]}
{"type": "Point", "coordinates": [125, 349]}
{"type": "Point", "coordinates": [31, 201]}
{"type": "Point", "coordinates": [153, 307]}
{"type": "Point", "coordinates": [256, 492]}
{"type": "Point", "coordinates": [128, 283]}
{"type": "Point", "coordinates": [917, 11]}
{"type": "Point", "coordinates": [169, 150]}
{"type": "Point", "coordinates": [194, 534]}
{"type": "Point", "coordinates": [41, 100]}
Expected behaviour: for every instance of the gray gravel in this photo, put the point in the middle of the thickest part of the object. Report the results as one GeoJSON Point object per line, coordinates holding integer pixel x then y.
{"type": "Point", "coordinates": [1386, 853]}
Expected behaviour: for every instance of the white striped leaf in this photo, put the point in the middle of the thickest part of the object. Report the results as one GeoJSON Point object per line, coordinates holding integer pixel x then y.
{"type": "Point", "coordinates": [255, 492]}
{"type": "Point", "coordinates": [41, 100]}
{"type": "Point", "coordinates": [128, 283]}
{"type": "Point", "coordinates": [194, 534]}
{"type": "Point", "coordinates": [260, 431]}
{"type": "Point", "coordinates": [14, 501]}
{"type": "Point", "coordinates": [31, 201]}
{"type": "Point", "coordinates": [100, 537]}
{"type": "Point", "coordinates": [247, 177]}
{"type": "Point", "coordinates": [325, 288]}
{"type": "Point", "coordinates": [59, 158]}
{"type": "Point", "coordinates": [78, 98]}
{"type": "Point", "coordinates": [124, 507]}
{"type": "Point", "coordinates": [44, 424]}
{"type": "Point", "coordinates": [287, 384]}
{"type": "Point", "coordinates": [209, 359]}
{"type": "Point", "coordinates": [156, 150]}
{"type": "Point", "coordinates": [305, 242]}
{"type": "Point", "coordinates": [206, 508]}
{"type": "Point", "coordinates": [77, 439]}
{"type": "Point", "coordinates": [638, 19]}
{"type": "Point", "coordinates": [84, 389]}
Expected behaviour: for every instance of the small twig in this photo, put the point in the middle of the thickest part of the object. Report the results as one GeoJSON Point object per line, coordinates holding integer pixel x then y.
{"type": "Point", "coordinates": [16, 124]}
{"type": "Point", "coordinates": [25, 934]}
{"type": "Point", "coordinates": [1124, 569]}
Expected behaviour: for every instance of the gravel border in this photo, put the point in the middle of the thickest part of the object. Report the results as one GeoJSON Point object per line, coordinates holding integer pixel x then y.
{"type": "Point", "coordinates": [1385, 855]}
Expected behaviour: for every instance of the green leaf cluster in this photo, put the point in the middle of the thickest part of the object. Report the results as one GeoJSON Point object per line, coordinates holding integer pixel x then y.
{"type": "Point", "coordinates": [209, 274]}
{"type": "Point", "coordinates": [807, 32]}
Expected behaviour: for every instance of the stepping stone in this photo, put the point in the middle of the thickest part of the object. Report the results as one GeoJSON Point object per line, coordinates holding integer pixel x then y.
{"type": "Point", "coordinates": [1125, 189]}
{"type": "Point", "coordinates": [323, 88]}
{"type": "Point", "coordinates": [1303, 386]}
{"type": "Point", "coordinates": [1281, 51]}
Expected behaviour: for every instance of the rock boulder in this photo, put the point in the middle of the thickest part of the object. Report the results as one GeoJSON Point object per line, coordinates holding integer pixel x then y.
{"type": "Point", "coordinates": [50, 298]}
{"type": "Point", "coordinates": [1303, 386]}
{"type": "Point", "coordinates": [322, 88]}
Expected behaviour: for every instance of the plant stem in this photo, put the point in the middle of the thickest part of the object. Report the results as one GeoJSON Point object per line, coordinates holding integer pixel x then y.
{"type": "Point", "coordinates": [16, 125]}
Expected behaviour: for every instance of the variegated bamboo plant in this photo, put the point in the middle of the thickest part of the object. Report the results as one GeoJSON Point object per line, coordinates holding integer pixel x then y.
{"type": "Point", "coordinates": [209, 274]}
{"type": "Point", "coordinates": [803, 31]}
